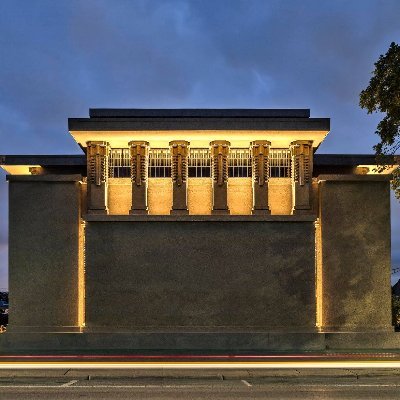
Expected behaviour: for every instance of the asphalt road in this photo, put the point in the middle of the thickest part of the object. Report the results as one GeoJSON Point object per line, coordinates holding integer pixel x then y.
{"type": "Point", "coordinates": [235, 385]}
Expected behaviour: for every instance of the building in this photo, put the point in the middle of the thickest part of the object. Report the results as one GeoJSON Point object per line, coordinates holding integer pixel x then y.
{"type": "Point", "coordinates": [198, 230]}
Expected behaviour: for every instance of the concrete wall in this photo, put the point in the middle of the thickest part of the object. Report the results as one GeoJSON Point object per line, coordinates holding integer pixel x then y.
{"type": "Point", "coordinates": [355, 253]}
{"type": "Point", "coordinates": [200, 196]}
{"type": "Point", "coordinates": [280, 196]}
{"type": "Point", "coordinates": [240, 196]}
{"type": "Point", "coordinates": [240, 200]}
{"type": "Point", "coordinates": [209, 275]}
{"type": "Point", "coordinates": [159, 196]}
{"type": "Point", "coordinates": [119, 195]}
{"type": "Point", "coordinates": [45, 262]}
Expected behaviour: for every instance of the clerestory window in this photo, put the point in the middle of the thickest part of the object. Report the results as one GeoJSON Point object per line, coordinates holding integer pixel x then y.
{"type": "Point", "coordinates": [159, 163]}
{"type": "Point", "coordinates": [199, 163]}
{"type": "Point", "coordinates": [280, 162]}
{"type": "Point", "coordinates": [119, 163]}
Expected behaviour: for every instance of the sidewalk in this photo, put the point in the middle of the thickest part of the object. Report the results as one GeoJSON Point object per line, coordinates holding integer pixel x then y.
{"type": "Point", "coordinates": [219, 374]}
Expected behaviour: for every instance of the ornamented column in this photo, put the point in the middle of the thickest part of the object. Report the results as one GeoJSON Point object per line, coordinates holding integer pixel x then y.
{"type": "Point", "coordinates": [139, 159]}
{"type": "Point", "coordinates": [179, 171]}
{"type": "Point", "coordinates": [97, 177]}
{"type": "Point", "coordinates": [219, 159]}
{"type": "Point", "coordinates": [302, 167]}
{"type": "Point", "coordinates": [260, 173]}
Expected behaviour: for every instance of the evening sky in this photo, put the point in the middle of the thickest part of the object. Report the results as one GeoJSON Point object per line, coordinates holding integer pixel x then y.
{"type": "Point", "coordinates": [58, 58]}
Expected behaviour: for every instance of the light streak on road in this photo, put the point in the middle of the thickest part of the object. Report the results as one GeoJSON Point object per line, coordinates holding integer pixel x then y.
{"type": "Point", "coordinates": [200, 365]}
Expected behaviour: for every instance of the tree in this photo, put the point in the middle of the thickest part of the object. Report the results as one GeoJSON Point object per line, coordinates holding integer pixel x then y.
{"type": "Point", "coordinates": [383, 95]}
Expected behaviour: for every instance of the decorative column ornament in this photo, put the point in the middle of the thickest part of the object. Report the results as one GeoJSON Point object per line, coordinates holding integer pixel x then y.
{"type": "Point", "coordinates": [179, 170]}
{"type": "Point", "coordinates": [97, 176]}
{"type": "Point", "coordinates": [260, 173]}
{"type": "Point", "coordinates": [219, 160]}
{"type": "Point", "coordinates": [139, 160]}
{"type": "Point", "coordinates": [302, 167]}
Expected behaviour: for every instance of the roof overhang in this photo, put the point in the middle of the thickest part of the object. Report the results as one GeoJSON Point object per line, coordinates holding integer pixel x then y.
{"type": "Point", "coordinates": [198, 138]}
{"type": "Point", "coordinates": [199, 127]}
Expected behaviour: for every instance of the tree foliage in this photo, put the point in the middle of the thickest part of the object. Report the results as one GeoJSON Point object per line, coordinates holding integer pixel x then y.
{"type": "Point", "coordinates": [383, 95]}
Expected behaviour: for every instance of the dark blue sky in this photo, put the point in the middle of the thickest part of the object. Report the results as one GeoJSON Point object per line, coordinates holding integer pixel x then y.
{"type": "Point", "coordinates": [58, 58]}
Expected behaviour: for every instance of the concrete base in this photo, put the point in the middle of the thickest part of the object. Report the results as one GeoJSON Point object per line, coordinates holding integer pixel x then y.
{"type": "Point", "coordinates": [302, 211]}
{"type": "Point", "coordinates": [221, 212]}
{"type": "Point", "coordinates": [97, 212]}
{"type": "Point", "coordinates": [179, 212]}
{"type": "Point", "coordinates": [362, 341]}
{"type": "Point", "coordinates": [12, 342]}
{"type": "Point", "coordinates": [162, 342]}
{"type": "Point", "coordinates": [261, 212]}
{"type": "Point", "coordinates": [43, 329]}
{"type": "Point", "coordinates": [138, 212]}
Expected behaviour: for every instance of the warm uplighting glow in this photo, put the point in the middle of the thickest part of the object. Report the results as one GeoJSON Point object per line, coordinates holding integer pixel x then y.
{"type": "Point", "coordinates": [200, 139]}
{"type": "Point", "coordinates": [18, 169]}
{"type": "Point", "coordinates": [318, 275]}
{"type": "Point", "coordinates": [372, 169]}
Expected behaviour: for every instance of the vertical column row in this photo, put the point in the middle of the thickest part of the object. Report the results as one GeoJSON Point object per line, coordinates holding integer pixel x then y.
{"type": "Point", "coordinates": [97, 170]}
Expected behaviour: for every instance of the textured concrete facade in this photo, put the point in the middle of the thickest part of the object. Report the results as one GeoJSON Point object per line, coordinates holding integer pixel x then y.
{"type": "Point", "coordinates": [45, 275]}
{"type": "Point", "coordinates": [354, 216]}
{"type": "Point", "coordinates": [207, 276]}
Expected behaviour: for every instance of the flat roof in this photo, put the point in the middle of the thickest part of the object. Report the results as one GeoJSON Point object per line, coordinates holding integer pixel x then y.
{"type": "Point", "coordinates": [198, 113]}
{"type": "Point", "coordinates": [135, 119]}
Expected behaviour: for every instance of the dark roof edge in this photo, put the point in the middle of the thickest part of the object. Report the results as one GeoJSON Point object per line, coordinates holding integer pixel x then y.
{"type": "Point", "coordinates": [196, 123]}
{"type": "Point", "coordinates": [79, 160]}
{"type": "Point", "coordinates": [197, 113]}
{"type": "Point", "coordinates": [45, 160]}
{"type": "Point", "coordinates": [350, 159]}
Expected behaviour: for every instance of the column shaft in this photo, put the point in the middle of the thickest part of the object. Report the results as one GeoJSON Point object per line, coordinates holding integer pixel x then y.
{"type": "Point", "coordinates": [302, 167]}
{"type": "Point", "coordinates": [260, 173]}
{"type": "Point", "coordinates": [139, 159]}
{"type": "Point", "coordinates": [219, 159]}
{"type": "Point", "coordinates": [179, 171]}
{"type": "Point", "coordinates": [97, 176]}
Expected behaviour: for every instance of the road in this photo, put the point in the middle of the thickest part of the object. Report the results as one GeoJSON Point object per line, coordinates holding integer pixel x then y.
{"type": "Point", "coordinates": [200, 384]}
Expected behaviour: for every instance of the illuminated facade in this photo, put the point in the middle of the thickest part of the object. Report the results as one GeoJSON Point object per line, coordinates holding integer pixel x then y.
{"type": "Point", "coordinates": [198, 229]}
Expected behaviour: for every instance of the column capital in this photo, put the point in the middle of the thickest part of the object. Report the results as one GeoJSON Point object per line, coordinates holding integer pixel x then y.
{"type": "Point", "coordinates": [217, 143]}
{"type": "Point", "coordinates": [298, 143]}
{"type": "Point", "coordinates": [265, 143]}
{"type": "Point", "coordinates": [133, 143]}
{"type": "Point", "coordinates": [176, 143]}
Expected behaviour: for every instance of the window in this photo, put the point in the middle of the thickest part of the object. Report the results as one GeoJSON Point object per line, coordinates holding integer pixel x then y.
{"type": "Point", "coordinates": [119, 163]}
{"type": "Point", "coordinates": [239, 163]}
{"type": "Point", "coordinates": [199, 163]}
{"type": "Point", "coordinates": [159, 163]}
{"type": "Point", "coordinates": [280, 163]}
